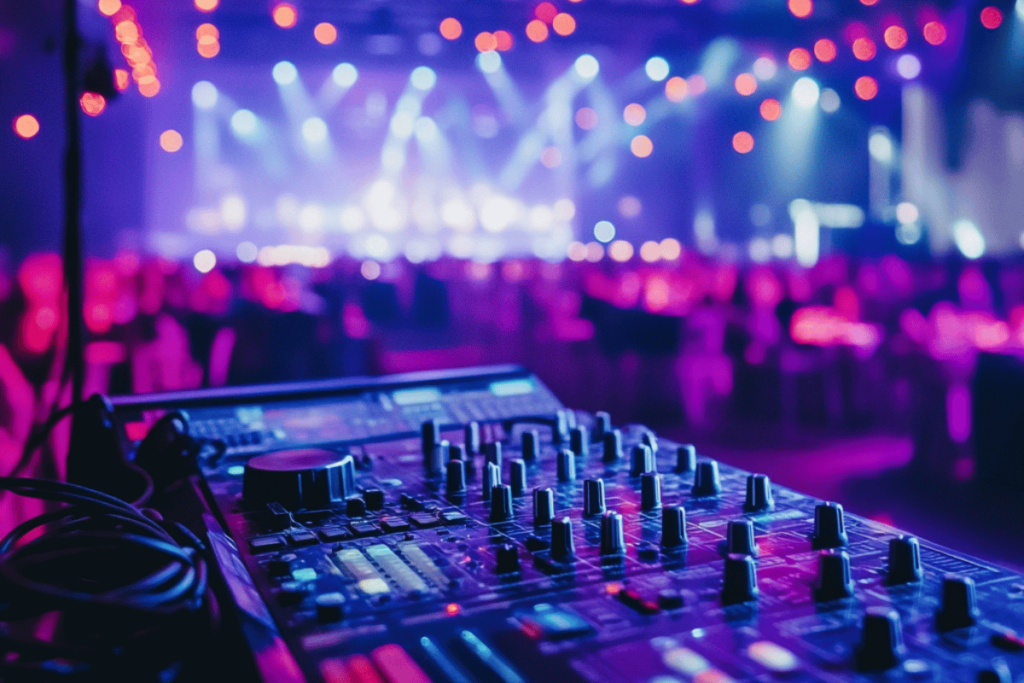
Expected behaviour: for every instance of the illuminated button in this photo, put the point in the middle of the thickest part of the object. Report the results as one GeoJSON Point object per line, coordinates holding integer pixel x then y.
{"type": "Point", "coordinates": [773, 657]}
{"type": "Point", "coordinates": [555, 624]}
{"type": "Point", "coordinates": [304, 574]}
{"type": "Point", "coordinates": [330, 607]}
{"type": "Point", "coordinates": [302, 537]}
{"type": "Point", "coordinates": [713, 676]}
{"type": "Point", "coordinates": [333, 534]}
{"type": "Point", "coordinates": [262, 544]}
{"type": "Point", "coordinates": [394, 524]}
{"type": "Point", "coordinates": [685, 661]}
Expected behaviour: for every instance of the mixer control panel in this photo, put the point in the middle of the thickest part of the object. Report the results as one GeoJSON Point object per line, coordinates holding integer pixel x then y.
{"type": "Point", "coordinates": [471, 529]}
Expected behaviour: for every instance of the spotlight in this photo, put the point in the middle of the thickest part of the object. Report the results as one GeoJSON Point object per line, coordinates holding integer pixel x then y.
{"type": "Point", "coordinates": [908, 66]}
{"type": "Point", "coordinates": [314, 130]}
{"type": "Point", "coordinates": [423, 78]}
{"type": "Point", "coordinates": [204, 95]}
{"type": "Point", "coordinates": [488, 62]}
{"type": "Point", "coordinates": [344, 75]}
{"type": "Point", "coordinates": [587, 66]}
{"type": "Point", "coordinates": [243, 123]}
{"type": "Point", "coordinates": [806, 92]}
{"type": "Point", "coordinates": [656, 69]}
{"type": "Point", "coordinates": [285, 73]}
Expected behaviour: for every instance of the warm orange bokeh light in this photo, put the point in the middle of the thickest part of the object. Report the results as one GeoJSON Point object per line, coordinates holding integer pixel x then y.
{"type": "Point", "coordinates": [121, 80]}
{"type": "Point", "coordinates": [537, 31]}
{"type": "Point", "coordinates": [546, 12]}
{"type": "Point", "coordinates": [285, 15]}
{"type": "Point", "coordinates": [799, 59]}
{"type": "Point", "coordinates": [207, 31]}
{"type": "Point", "coordinates": [746, 84]}
{"type": "Point", "coordinates": [108, 7]}
{"type": "Point", "coordinates": [864, 49]}
{"type": "Point", "coordinates": [641, 146]}
{"type": "Point", "coordinates": [771, 109]}
{"type": "Point", "coordinates": [325, 33]}
{"type": "Point", "coordinates": [934, 32]}
{"type": "Point", "coordinates": [150, 86]}
{"type": "Point", "coordinates": [126, 32]}
{"type": "Point", "coordinates": [485, 42]}
{"type": "Point", "coordinates": [895, 37]}
{"type": "Point", "coordinates": [634, 114]}
{"type": "Point", "coordinates": [26, 126]}
{"type": "Point", "coordinates": [208, 49]}
{"type": "Point", "coordinates": [825, 50]}
{"type": "Point", "coordinates": [743, 142]}
{"type": "Point", "coordinates": [206, 5]}
{"type": "Point", "coordinates": [866, 88]}
{"type": "Point", "coordinates": [503, 40]}
{"type": "Point", "coordinates": [92, 103]}
{"type": "Point", "coordinates": [676, 89]}
{"type": "Point", "coordinates": [801, 8]}
{"type": "Point", "coordinates": [171, 140]}
{"type": "Point", "coordinates": [451, 28]}
{"type": "Point", "coordinates": [586, 118]}
{"type": "Point", "coordinates": [563, 24]}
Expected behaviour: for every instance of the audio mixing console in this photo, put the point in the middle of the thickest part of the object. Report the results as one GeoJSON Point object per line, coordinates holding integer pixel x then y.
{"type": "Point", "coordinates": [466, 527]}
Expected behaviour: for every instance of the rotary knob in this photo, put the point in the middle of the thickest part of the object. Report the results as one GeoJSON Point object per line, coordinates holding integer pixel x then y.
{"type": "Point", "coordinates": [602, 425]}
{"type": "Point", "coordinates": [543, 506]}
{"type": "Point", "coordinates": [434, 461]}
{"type": "Point", "coordinates": [706, 481]}
{"type": "Point", "coordinates": [650, 491]}
{"type": "Point", "coordinates": [579, 440]}
{"type": "Point", "coordinates": [430, 436]}
{"type": "Point", "coordinates": [593, 498]}
{"type": "Point", "coordinates": [834, 579]}
{"type": "Point", "coordinates": [612, 446]}
{"type": "Point", "coordinates": [492, 452]}
{"type": "Point", "coordinates": [492, 478]}
{"type": "Point", "coordinates": [310, 478]}
{"type": "Point", "coordinates": [904, 561]}
{"type": "Point", "coordinates": [829, 526]}
{"type": "Point", "coordinates": [472, 439]}
{"type": "Point", "coordinates": [881, 640]}
{"type": "Point", "coordinates": [560, 430]}
{"type": "Point", "coordinates": [673, 528]}
{"type": "Point", "coordinates": [759, 494]}
{"type": "Point", "coordinates": [642, 460]}
{"type": "Point", "coordinates": [507, 557]}
{"type": "Point", "coordinates": [501, 504]}
{"type": "Point", "coordinates": [650, 440]}
{"type": "Point", "coordinates": [563, 546]}
{"type": "Point", "coordinates": [531, 445]}
{"type": "Point", "coordinates": [739, 582]}
{"type": "Point", "coordinates": [517, 477]}
{"type": "Point", "coordinates": [613, 540]}
{"type": "Point", "coordinates": [686, 458]}
{"type": "Point", "coordinates": [566, 466]}
{"type": "Point", "coordinates": [998, 672]}
{"type": "Point", "coordinates": [455, 478]}
{"type": "Point", "coordinates": [740, 537]}
{"type": "Point", "coordinates": [959, 607]}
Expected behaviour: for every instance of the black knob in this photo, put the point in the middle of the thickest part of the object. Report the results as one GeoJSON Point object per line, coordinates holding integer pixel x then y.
{"type": "Point", "coordinates": [283, 565]}
{"type": "Point", "coordinates": [472, 439]}
{"type": "Point", "coordinates": [959, 604]}
{"type": "Point", "coordinates": [740, 537]}
{"type": "Point", "coordinates": [560, 431]}
{"type": "Point", "coordinates": [642, 461]}
{"type": "Point", "coordinates": [374, 499]}
{"type": "Point", "coordinates": [456, 452]}
{"type": "Point", "coordinates": [602, 425]}
{"type": "Point", "coordinates": [566, 466]}
{"type": "Point", "coordinates": [563, 546]}
{"type": "Point", "coordinates": [834, 581]}
{"type": "Point", "coordinates": [650, 491]}
{"type": "Point", "coordinates": [686, 458]}
{"type": "Point", "coordinates": [904, 561]}
{"type": "Point", "coordinates": [455, 478]}
{"type": "Point", "coordinates": [613, 540]}
{"type": "Point", "coordinates": [501, 504]}
{"type": "Point", "coordinates": [579, 440]}
{"type": "Point", "coordinates": [593, 497]}
{"type": "Point", "coordinates": [881, 640]}
{"type": "Point", "coordinates": [740, 580]}
{"type": "Point", "coordinates": [311, 478]}
{"type": "Point", "coordinates": [492, 478]}
{"type": "Point", "coordinates": [673, 527]}
{"type": "Point", "coordinates": [998, 672]}
{"type": "Point", "coordinates": [434, 461]}
{"type": "Point", "coordinates": [650, 440]}
{"type": "Point", "coordinates": [355, 507]}
{"type": "Point", "coordinates": [517, 477]}
{"type": "Point", "coordinates": [759, 494]}
{"type": "Point", "coordinates": [543, 506]}
{"type": "Point", "coordinates": [507, 559]}
{"type": "Point", "coordinates": [430, 436]}
{"type": "Point", "coordinates": [330, 607]}
{"type": "Point", "coordinates": [531, 445]}
{"type": "Point", "coordinates": [829, 526]}
{"type": "Point", "coordinates": [612, 443]}
{"type": "Point", "coordinates": [706, 481]}
{"type": "Point", "coordinates": [492, 451]}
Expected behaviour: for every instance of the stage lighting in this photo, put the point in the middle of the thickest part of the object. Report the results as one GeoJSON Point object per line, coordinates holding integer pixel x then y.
{"type": "Point", "coordinates": [344, 75]}
{"type": "Point", "coordinates": [908, 66]}
{"type": "Point", "coordinates": [204, 95]}
{"type": "Point", "coordinates": [604, 231]}
{"type": "Point", "coordinates": [243, 123]}
{"type": "Point", "coordinates": [402, 124]}
{"type": "Point", "coordinates": [204, 261]}
{"type": "Point", "coordinates": [425, 129]}
{"type": "Point", "coordinates": [656, 69]}
{"type": "Point", "coordinates": [565, 210]}
{"type": "Point", "coordinates": [765, 68]}
{"type": "Point", "coordinates": [829, 101]}
{"type": "Point", "coordinates": [587, 66]}
{"type": "Point", "coordinates": [805, 92]}
{"type": "Point", "coordinates": [908, 233]}
{"type": "Point", "coordinates": [285, 73]}
{"type": "Point", "coordinates": [1019, 9]}
{"type": "Point", "coordinates": [907, 213]}
{"type": "Point", "coordinates": [880, 147]}
{"type": "Point", "coordinates": [488, 62]}
{"type": "Point", "coordinates": [423, 78]}
{"type": "Point", "coordinates": [968, 239]}
{"type": "Point", "coordinates": [247, 252]}
{"type": "Point", "coordinates": [314, 130]}
{"type": "Point", "coordinates": [497, 213]}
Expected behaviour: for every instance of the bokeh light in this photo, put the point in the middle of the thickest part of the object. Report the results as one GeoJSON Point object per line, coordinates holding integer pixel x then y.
{"type": "Point", "coordinates": [537, 31]}
{"type": "Point", "coordinates": [204, 95]}
{"type": "Point", "coordinates": [284, 73]}
{"type": "Point", "coordinates": [641, 146]}
{"type": "Point", "coordinates": [620, 250]}
{"type": "Point", "coordinates": [325, 33]}
{"type": "Point", "coordinates": [829, 101]}
{"type": "Point", "coordinates": [563, 24]}
{"type": "Point", "coordinates": [825, 50]}
{"type": "Point", "coordinates": [676, 89]}
{"type": "Point", "coordinates": [799, 59]}
{"type": "Point", "coordinates": [908, 66]}
{"type": "Point", "coordinates": [503, 40]}
{"type": "Point", "coordinates": [991, 17]}
{"type": "Point", "coordinates": [634, 114]}
{"type": "Point", "coordinates": [149, 86]}
{"type": "Point", "coordinates": [206, 5]}
{"type": "Point", "coordinates": [604, 231]}
{"type": "Point", "coordinates": [934, 32]}
{"type": "Point", "coordinates": [344, 75]}
{"type": "Point", "coordinates": [26, 126]}
{"type": "Point", "coordinates": [895, 37]}
{"type": "Point", "coordinates": [450, 28]}
{"type": "Point", "coordinates": [545, 12]}
{"type": "Point", "coordinates": [650, 251]}
{"type": "Point", "coordinates": [671, 249]}
{"type": "Point", "coordinates": [285, 15]}
{"type": "Point", "coordinates": [92, 103]}
{"type": "Point", "coordinates": [864, 49]}
{"type": "Point", "coordinates": [587, 66]}
{"type": "Point", "coordinates": [806, 92]}
{"type": "Point", "coordinates": [746, 84]}
{"type": "Point", "coordinates": [204, 261]}
{"type": "Point", "coordinates": [208, 49]}
{"type": "Point", "coordinates": [485, 41]}
{"type": "Point", "coordinates": [866, 88]}
{"type": "Point", "coordinates": [743, 142]}
{"type": "Point", "coordinates": [771, 109]}
{"type": "Point", "coordinates": [423, 78]}
{"type": "Point", "coordinates": [765, 68]}
{"type": "Point", "coordinates": [586, 118]}
{"type": "Point", "coordinates": [801, 9]}
{"type": "Point", "coordinates": [550, 157]}
{"type": "Point", "coordinates": [489, 62]}
{"type": "Point", "coordinates": [171, 140]}
{"type": "Point", "coordinates": [697, 84]}
{"type": "Point", "coordinates": [656, 69]}
{"type": "Point", "coordinates": [108, 8]}
{"type": "Point", "coordinates": [122, 79]}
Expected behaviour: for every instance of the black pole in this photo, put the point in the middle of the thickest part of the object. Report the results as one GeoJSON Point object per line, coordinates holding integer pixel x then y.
{"type": "Point", "coordinates": [73, 203]}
